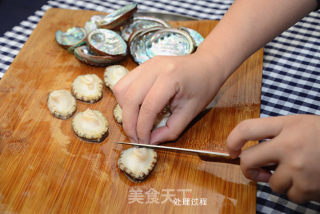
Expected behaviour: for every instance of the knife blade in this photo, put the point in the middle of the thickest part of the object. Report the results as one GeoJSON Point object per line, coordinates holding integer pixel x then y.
{"type": "Point", "coordinates": [203, 154]}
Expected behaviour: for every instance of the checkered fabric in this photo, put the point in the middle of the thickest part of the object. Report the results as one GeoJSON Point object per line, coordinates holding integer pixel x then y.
{"type": "Point", "coordinates": [291, 69]}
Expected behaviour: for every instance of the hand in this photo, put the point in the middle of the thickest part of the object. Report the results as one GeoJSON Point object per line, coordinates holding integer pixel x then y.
{"type": "Point", "coordinates": [294, 146]}
{"type": "Point", "coordinates": [186, 83]}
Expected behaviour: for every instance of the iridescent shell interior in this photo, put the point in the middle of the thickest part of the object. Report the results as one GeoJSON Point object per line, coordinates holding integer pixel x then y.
{"type": "Point", "coordinates": [107, 42]}
{"type": "Point", "coordinates": [84, 54]}
{"type": "Point", "coordinates": [71, 37]}
{"type": "Point", "coordinates": [141, 22]}
{"type": "Point", "coordinates": [147, 36]}
{"type": "Point", "coordinates": [90, 26]}
{"type": "Point", "coordinates": [138, 44]}
{"type": "Point", "coordinates": [196, 36]}
{"type": "Point", "coordinates": [170, 42]}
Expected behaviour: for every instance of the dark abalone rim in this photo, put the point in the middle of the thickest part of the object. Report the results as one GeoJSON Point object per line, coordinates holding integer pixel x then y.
{"type": "Point", "coordinates": [58, 114]}
{"type": "Point", "coordinates": [131, 175]}
{"type": "Point", "coordinates": [95, 60]}
{"type": "Point", "coordinates": [92, 140]}
{"type": "Point", "coordinates": [120, 19]}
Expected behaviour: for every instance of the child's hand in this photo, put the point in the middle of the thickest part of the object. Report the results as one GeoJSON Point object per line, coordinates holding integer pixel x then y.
{"type": "Point", "coordinates": [294, 146]}
{"type": "Point", "coordinates": [186, 83]}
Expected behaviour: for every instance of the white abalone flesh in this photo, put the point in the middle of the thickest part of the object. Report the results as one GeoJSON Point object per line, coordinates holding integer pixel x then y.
{"type": "Point", "coordinates": [61, 104]}
{"type": "Point", "coordinates": [113, 74]}
{"type": "Point", "coordinates": [87, 88]}
{"type": "Point", "coordinates": [137, 163]}
{"type": "Point", "coordinates": [117, 113]}
{"type": "Point", "coordinates": [90, 125]}
{"type": "Point", "coordinates": [162, 118]}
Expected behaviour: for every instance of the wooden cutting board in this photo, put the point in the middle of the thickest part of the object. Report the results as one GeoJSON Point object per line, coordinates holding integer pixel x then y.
{"type": "Point", "coordinates": [45, 168]}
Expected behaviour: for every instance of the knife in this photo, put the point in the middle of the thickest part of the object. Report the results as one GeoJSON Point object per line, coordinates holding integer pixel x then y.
{"type": "Point", "coordinates": [203, 154]}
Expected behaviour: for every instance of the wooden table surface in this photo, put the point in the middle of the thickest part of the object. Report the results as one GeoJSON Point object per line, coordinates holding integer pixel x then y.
{"type": "Point", "coordinates": [45, 168]}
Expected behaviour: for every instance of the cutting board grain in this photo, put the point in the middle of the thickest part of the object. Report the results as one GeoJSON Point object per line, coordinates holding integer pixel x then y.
{"type": "Point", "coordinates": [46, 169]}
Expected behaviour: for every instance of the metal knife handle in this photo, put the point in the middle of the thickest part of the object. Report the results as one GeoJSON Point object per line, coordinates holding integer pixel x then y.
{"type": "Point", "coordinates": [228, 159]}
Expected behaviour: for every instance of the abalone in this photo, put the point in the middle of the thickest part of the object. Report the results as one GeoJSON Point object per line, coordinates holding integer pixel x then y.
{"type": "Point", "coordinates": [61, 104]}
{"type": "Point", "coordinates": [196, 36]}
{"type": "Point", "coordinates": [117, 17]}
{"type": "Point", "coordinates": [90, 125]}
{"type": "Point", "coordinates": [113, 74]}
{"type": "Point", "coordinates": [170, 42]}
{"type": "Point", "coordinates": [137, 43]}
{"type": "Point", "coordinates": [85, 55]}
{"type": "Point", "coordinates": [117, 113]}
{"type": "Point", "coordinates": [137, 163]}
{"type": "Point", "coordinates": [107, 42]}
{"type": "Point", "coordinates": [87, 88]}
{"type": "Point", "coordinates": [90, 26]}
{"type": "Point", "coordinates": [71, 38]}
{"type": "Point", "coordinates": [160, 121]}
{"type": "Point", "coordinates": [141, 22]}
{"type": "Point", "coordinates": [162, 118]}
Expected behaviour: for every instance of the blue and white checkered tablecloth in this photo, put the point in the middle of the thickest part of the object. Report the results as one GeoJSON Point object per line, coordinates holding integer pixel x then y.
{"type": "Point", "coordinates": [291, 69]}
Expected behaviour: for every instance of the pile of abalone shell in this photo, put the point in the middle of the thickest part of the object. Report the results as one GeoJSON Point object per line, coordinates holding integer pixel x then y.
{"type": "Point", "coordinates": [107, 39]}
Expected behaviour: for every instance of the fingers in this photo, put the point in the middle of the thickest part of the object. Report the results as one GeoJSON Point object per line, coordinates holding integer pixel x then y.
{"type": "Point", "coordinates": [255, 157]}
{"type": "Point", "coordinates": [253, 129]}
{"type": "Point", "coordinates": [295, 195]}
{"type": "Point", "coordinates": [131, 98]}
{"type": "Point", "coordinates": [120, 89]}
{"type": "Point", "coordinates": [156, 99]}
{"type": "Point", "coordinates": [176, 123]}
{"type": "Point", "coordinates": [281, 180]}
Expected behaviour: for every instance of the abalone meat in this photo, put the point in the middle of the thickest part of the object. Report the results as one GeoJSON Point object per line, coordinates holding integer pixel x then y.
{"type": "Point", "coordinates": [87, 88]}
{"type": "Point", "coordinates": [61, 104]}
{"type": "Point", "coordinates": [113, 74]}
{"type": "Point", "coordinates": [162, 118]}
{"type": "Point", "coordinates": [137, 163]}
{"type": "Point", "coordinates": [117, 113]}
{"type": "Point", "coordinates": [90, 125]}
